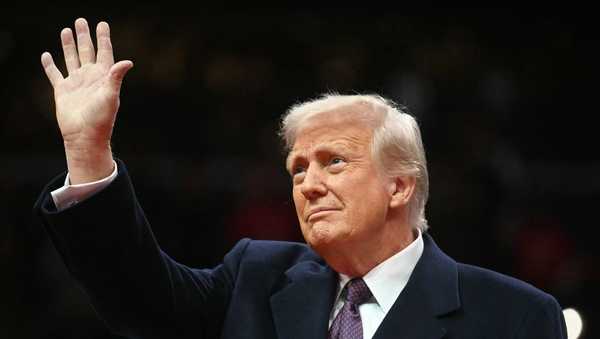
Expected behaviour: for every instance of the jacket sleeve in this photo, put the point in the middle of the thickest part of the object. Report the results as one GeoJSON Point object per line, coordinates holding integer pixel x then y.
{"type": "Point", "coordinates": [544, 320]}
{"type": "Point", "coordinates": [138, 290]}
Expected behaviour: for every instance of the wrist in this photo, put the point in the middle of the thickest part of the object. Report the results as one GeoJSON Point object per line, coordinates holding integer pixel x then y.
{"type": "Point", "coordinates": [87, 163]}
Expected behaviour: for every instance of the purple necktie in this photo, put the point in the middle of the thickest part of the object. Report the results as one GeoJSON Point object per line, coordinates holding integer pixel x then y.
{"type": "Point", "coordinates": [347, 323]}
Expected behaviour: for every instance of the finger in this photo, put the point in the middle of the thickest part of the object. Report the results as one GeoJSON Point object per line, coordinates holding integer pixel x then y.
{"type": "Point", "coordinates": [105, 51]}
{"type": "Point", "coordinates": [51, 70]}
{"type": "Point", "coordinates": [117, 73]}
{"type": "Point", "coordinates": [69, 50]}
{"type": "Point", "coordinates": [84, 42]}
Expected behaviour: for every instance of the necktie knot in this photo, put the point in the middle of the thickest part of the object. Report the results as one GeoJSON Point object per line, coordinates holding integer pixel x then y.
{"type": "Point", "coordinates": [357, 291]}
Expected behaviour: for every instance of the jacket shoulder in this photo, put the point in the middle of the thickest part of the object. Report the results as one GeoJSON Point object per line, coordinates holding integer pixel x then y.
{"type": "Point", "coordinates": [516, 308]}
{"type": "Point", "coordinates": [277, 254]}
{"type": "Point", "coordinates": [497, 289]}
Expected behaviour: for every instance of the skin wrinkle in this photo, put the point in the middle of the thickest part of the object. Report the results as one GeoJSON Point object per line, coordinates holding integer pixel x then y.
{"type": "Point", "coordinates": [346, 145]}
{"type": "Point", "coordinates": [359, 113]}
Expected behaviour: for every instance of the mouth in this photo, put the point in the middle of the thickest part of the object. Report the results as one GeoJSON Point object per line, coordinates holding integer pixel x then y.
{"type": "Point", "coordinates": [319, 212]}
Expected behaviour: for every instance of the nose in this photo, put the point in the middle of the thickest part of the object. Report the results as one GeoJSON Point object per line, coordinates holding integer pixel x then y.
{"type": "Point", "coordinates": [313, 185]}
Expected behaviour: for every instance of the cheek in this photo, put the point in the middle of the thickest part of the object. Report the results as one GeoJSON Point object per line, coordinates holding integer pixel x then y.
{"type": "Point", "coordinates": [366, 202]}
{"type": "Point", "coordinates": [350, 192]}
{"type": "Point", "coordinates": [299, 201]}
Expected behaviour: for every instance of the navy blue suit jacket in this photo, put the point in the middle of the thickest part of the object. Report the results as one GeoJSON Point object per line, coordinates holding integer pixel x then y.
{"type": "Point", "coordinates": [269, 289]}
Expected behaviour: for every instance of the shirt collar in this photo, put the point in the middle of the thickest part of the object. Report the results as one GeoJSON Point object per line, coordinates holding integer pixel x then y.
{"type": "Point", "coordinates": [387, 280]}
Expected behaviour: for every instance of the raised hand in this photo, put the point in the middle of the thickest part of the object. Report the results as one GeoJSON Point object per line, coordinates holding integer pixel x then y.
{"type": "Point", "coordinates": [87, 100]}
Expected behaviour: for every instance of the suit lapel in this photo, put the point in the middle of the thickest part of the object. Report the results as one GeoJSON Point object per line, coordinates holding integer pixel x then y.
{"type": "Point", "coordinates": [301, 307]}
{"type": "Point", "coordinates": [431, 292]}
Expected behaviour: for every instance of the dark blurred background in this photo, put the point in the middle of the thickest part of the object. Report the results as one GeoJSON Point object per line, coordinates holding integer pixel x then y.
{"type": "Point", "coordinates": [506, 101]}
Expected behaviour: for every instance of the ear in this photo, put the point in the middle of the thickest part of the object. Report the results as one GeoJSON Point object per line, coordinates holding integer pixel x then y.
{"type": "Point", "coordinates": [402, 189]}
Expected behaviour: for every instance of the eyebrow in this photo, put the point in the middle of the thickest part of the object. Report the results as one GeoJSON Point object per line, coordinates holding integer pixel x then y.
{"type": "Point", "coordinates": [333, 147]}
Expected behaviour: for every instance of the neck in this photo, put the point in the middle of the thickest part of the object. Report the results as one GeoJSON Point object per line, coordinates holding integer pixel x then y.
{"type": "Point", "coordinates": [357, 259]}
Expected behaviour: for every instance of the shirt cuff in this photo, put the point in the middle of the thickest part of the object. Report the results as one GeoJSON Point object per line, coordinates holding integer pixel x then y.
{"type": "Point", "coordinates": [69, 195]}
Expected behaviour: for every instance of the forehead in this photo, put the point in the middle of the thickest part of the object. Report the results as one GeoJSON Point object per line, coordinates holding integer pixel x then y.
{"type": "Point", "coordinates": [347, 127]}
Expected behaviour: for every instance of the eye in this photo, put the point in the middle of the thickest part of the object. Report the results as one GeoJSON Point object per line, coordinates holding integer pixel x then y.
{"type": "Point", "coordinates": [298, 173]}
{"type": "Point", "coordinates": [298, 170]}
{"type": "Point", "coordinates": [336, 164]}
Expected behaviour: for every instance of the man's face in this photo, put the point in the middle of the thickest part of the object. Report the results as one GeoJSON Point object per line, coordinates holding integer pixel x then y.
{"type": "Point", "coordinates": [341, 197]}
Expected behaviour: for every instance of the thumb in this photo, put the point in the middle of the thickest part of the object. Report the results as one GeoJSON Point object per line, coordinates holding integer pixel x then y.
{"type": "Point", "coordinates": [117, 73]}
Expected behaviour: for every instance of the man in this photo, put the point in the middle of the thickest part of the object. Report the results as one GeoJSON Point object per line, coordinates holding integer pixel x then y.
{"type": "Point", "coordinates": [360, 186]}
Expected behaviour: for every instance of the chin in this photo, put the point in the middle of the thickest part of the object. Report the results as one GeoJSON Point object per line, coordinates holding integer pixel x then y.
{"type": "Point", "coordinates": [321, 237]}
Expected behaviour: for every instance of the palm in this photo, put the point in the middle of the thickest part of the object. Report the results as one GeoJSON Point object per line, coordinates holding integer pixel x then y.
{"type": "Point", "coordinates": [87, 100]}
{"type": "Point", "coordinates": [85, 103]}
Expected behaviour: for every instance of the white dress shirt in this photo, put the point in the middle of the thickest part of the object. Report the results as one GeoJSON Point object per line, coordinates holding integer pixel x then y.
{"type": "Point", "coordinates": [69, 195]}
{"type": "Point", "coordinates": [386, 280]}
